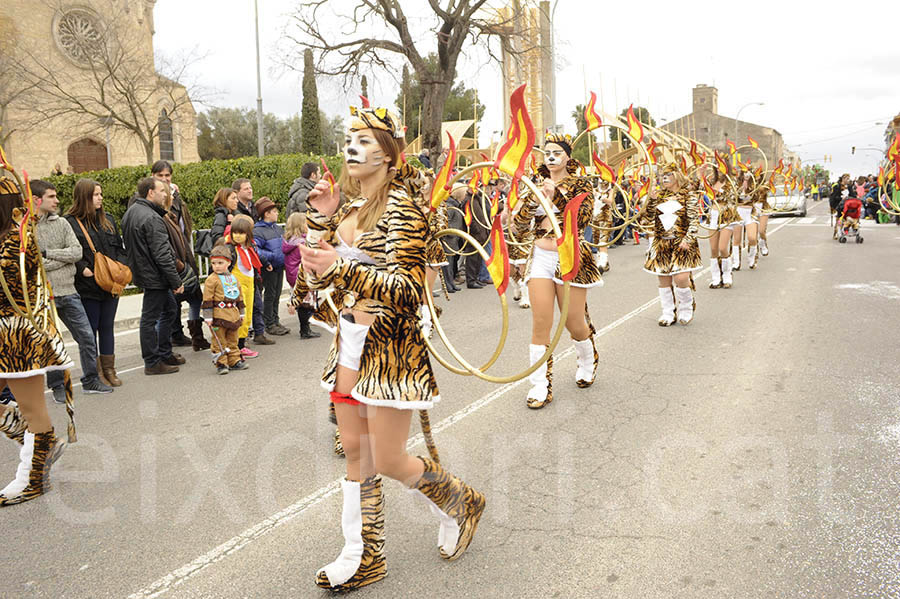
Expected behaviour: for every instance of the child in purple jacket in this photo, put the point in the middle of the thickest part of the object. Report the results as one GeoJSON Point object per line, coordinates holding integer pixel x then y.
{"type": "Point", "coordinates": [294, 237]}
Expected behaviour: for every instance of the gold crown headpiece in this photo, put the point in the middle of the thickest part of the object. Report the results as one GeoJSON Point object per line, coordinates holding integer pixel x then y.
{"type": "Point", "coordinates": [376, 118]}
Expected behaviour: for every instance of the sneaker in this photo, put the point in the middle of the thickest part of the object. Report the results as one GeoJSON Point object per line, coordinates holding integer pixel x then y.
{"type": "Point", "coordinates": [222, 369]}
{"type": "Point", "coordinates": [261, 339]}
{"type": "Point", "coordinates": [95, 386]}
{"type": "Point", "coordinates": [248, 353]}
{"type": "Point", "coordinates": [174, 360]}
{"type": "Point", "coordinates": [277, 329]}
{"type": "Point", "coordinates": [59, 395]}
{"type": "Point", "coordinates": [240, 366]}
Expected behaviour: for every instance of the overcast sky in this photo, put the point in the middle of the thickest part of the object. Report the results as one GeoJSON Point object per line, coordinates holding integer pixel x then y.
{"type": "Point", "coordinates": [825, 79]}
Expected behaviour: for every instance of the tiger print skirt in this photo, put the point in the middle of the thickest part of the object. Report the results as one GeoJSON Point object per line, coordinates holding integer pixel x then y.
{"type": "Point", "coordinates": [27, 351]}
{"type": "Point", "coordinates": [665, 257]}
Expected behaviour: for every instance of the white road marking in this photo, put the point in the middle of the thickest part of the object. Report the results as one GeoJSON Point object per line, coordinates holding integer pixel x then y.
{"type": "Point", "coordinates": [807, 220]}
{"type": "Point", "coordinates": [238, 542]}
{"type": "Point", "coordinates": [885, 289]}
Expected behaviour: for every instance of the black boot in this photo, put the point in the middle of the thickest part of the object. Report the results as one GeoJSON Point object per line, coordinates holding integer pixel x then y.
{"type": "Point", "coordinates": [198, 342]}
{"type": "Point", "coordinates": [448, 279]}
{"type": "Point", "coordinates": [306, 332]}
{"type": "Point", "coordinates": [178, 338]}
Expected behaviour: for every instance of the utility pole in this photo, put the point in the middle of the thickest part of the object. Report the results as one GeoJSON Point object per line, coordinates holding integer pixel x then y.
{"type": "Point", "coordinates": [259, 106]}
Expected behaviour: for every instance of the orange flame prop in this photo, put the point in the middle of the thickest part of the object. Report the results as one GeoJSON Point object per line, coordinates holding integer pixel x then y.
{"type": "Point", "coordinates": [758, 171]}
{"type": "Point", "coordinates": [731, 147]}
{"type": "Point", "coordinates": [364, 100]}
{"type": "Point", "coordinates": [515, 153]}
{"type": "Point", "coordinates": [495, 204]}
{"type": "Point", "coordinates": [591, 117]}
{"type": "Point", "coordinates": [327, 174]}
{"type": "Point", "coordinates": [468, 214]}
{"type": "Point", "coordinates": [780, 168]}
{"type": "Point", "coordinates": [635, 130]}
{"type": "Point", "coordinates": [683, 164]}
{"type": "Point", "coordinates": [439, 190]}
{"type": "Point", "coordinates": [644, 189]}
{"type": "Point", "coordinates": [710, 192]}
{"type": "Point", "coordinates": [651, 151]}
{"type": "Point", "coordinates": [894, 150]}
{"type": "Point", "coordinates": [498, 263]}
{"type": "Point", "coordinates": [475, 181]}
{"type": "Point", "coordinates": [880, 176]}
{"type": "Point", "coordinates": [789, 170]}
{"type": "Point", "coordinates": [753, 143]}
{"type": "Point", "coordinates": [720, 162]}
{"type": "Point", "coordinates": [4, 162]}
{"type": "Point", "coordinates": [604, 170]}
{"type": "Point", "coordinates": [695, 155]}
{"type": "Point", "coordinates": [620, 172]}
{"type": "Point", "coordinates": [569, 249]}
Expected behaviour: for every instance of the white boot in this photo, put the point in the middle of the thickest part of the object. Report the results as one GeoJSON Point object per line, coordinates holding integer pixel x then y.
{"type": "Point", "coordinates": [667, 318]}
{"type": "Point", "coordinates": [715, 274]}
{"type": "Point", "coordinates": [727, 279]}
{"type": "Point", "coordinates": [587, 359]}
{"type": "Point", "coordinates": [38, 453]}
{"type": "Point", "coordinates": [361, 561]}
{"type": "Point", "coordinates": [516, 289]}
{"type": "Point", "coordinates": [541, 391]}
{"type": "Point", "coordinates": [524, 301]}
{"type": "Point", "coordinates": [763, 248]}
{"type": "Point", "coordinates": [685, 304]}
{"type": "Point", "coordinates": [752, 257]}
{"type": "Point", "coordinates": [736, 257]}
{"type": "Point", "coordinates": [603, 261]}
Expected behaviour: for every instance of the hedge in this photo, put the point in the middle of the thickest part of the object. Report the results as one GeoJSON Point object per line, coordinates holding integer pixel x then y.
{"type": "Point", "coordinates": [199, 181]}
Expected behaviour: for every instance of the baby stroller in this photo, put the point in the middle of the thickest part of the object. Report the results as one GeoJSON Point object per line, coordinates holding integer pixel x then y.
{"type": "Point", "coordinates": [850, 228]}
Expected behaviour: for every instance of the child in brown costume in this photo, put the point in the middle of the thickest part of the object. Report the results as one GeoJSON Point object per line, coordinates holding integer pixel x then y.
{"type": "Point", "coordinates": [223, 310]}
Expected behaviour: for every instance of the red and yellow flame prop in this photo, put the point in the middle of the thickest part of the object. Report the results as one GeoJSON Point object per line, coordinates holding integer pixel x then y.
{"type": "Point", "coordinates": [467, 216]}
{"type": "Point", "coordinates": [758, 171]}
{"type": "Point", "coordinates": [498, 263]}
{"type": "Point", "coordinates": [326, 174]}
{"type": "Point", "coordinates": [880, 176]}
{"type": "Point", "coordinates": [731, 147]}
{"type": "Point", "coordinates": [708, 189]}
{"type": "Point", "coordinates": [516, 152]}
{"type": "Point", "coordinates": [568, 246]}
{"type": "Point", "coordinates": [644, 189]}
{"type": "Point", "coordinates": [894, 150]}
{"type": "Point", "coordinates": [721, 164]}
{"type": "Point", "coordinates": [635, 129]}
{"type": "Point", "coordinates": [780, 168]}
{"type": "Point", "coordinates": [604, 170]}
{"type": "Point", "coordinates": [753, 143]}
{"type": "Point", "coordinates": [440, 190]}
{"type": "Point", "coordinates": [790, 169]}
{"type": "Point", "coordinates": [620, 172]}
{"type": "Point", "coordinates": [651, 151]}
{"type": "Point", "coordinates": [495, 204]}
{"type": "Point", "coordinates": [475, 181]}
{"type": "Point", "coordinates": [591, 117]}
{"type": "Point", "coordinates": [695, 155]}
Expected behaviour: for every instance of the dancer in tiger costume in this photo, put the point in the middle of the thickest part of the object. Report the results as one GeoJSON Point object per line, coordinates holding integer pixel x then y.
{"type": "Point", "coordinates": [673, 214]}
{"type": "Point", "coordinates": [723, 216]}
{"type": "Point", "coordinates": [559, 182]}
{"type": "Point", "coordinates": [372, 251]}
{"type": "Point", "coordinates": [763, 208]}
{"type": "Point", "coordinates": [30, 347]}
{"type": "Point", "coordinates": [748, 220]}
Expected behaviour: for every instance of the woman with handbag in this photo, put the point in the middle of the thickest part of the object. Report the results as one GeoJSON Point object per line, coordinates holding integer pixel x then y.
{"type": "Point", "coordinates": [99, 235]}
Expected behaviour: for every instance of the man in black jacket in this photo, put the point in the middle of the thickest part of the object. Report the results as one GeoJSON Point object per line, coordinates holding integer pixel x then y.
{"type": "Point", "coordinates": [152, 263]}
{"type": "Point", "coordinates": [302, 185]}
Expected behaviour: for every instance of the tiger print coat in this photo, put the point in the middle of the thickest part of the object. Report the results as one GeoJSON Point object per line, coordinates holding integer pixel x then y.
{"type": "Point", "coordinates": [394, 370]}
{"type": "Point", "coordinates": [25, 349]}
{"type": "Point", "coordinates": [673, 217]}
{"type": "Point", "coordinates": [527, 221]}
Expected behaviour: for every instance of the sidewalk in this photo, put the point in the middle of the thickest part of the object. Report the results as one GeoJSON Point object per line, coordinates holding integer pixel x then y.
{"type": "Point", "coordinates": [128, 315]}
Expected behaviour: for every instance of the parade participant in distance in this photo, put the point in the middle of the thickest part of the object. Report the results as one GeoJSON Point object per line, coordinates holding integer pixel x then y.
{"type": "Point", "coordinates": [723, 215]}
{"type": "Point", "coordinates": [559, 183]}
{"type": "Point", "coordinates": [372, 250]}
{"type": "Point", "coordinates": [674, 253]}
{"type": "Point", "coordinates": [747, 213]}
{"type": "Point", "coordinates": [763, 208]}
{"type": "Point", "coordinates": [30, 347]}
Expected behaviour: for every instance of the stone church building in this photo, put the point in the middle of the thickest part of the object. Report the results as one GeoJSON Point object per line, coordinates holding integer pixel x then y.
{"type": "Point", "coordinates": [55, 31]}
{"type": "Point", "coordinates": [707, 126]}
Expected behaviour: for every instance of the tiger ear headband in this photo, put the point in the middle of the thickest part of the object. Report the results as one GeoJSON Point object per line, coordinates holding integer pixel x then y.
{"type": "Point", "coordinates": [563, 140]}
{"type": "Point", "coordinates": [376, 118]}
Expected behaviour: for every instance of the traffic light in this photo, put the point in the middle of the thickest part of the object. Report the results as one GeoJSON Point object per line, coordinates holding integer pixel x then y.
{"type": "Point", "coordinates": [853, 150]}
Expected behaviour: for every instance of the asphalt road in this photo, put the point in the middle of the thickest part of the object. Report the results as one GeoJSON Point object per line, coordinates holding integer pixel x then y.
{"type": "Point", "coordinates": [751, 454]}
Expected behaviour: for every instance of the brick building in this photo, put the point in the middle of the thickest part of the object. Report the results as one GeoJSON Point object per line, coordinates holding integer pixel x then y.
{"type": "Point", "coordinates": [54, 34]}
{"type": "Point", "coordinates": [707, 126]}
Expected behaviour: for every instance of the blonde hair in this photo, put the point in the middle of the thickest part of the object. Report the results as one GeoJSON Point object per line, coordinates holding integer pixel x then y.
{"type": "Point", "coordinates": [295, 226]}
{"type": "Point", "coordinates": [373, 209]}
{"type": "Point", "coordinates": [169, 199]}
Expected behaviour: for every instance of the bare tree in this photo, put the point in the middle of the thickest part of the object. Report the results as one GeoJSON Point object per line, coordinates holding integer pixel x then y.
{"type": "Point", "coordinates": [117, 85]}
{"type": "Point", "coordinates": [354, 42]}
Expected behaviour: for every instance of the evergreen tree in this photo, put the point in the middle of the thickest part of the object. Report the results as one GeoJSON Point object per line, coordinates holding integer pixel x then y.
{"type": "Point", "coordinates": [365, 87]}
{"type": "Point", "coordinates": [310, 123]}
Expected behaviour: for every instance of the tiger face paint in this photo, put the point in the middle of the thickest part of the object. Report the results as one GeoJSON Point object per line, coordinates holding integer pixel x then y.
{"type": "Point", "coordinates": [362, 153]}
{"type": "Point", "coordinates": [555, 157]}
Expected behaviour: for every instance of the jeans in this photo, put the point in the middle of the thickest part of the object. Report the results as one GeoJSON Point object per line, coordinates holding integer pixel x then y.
{"type": "Point", "coordinates": [259, 323]}
{"type": "Point", "coordinates": [102, 316]}
{"type": "Point", "coordinates": [483, 274]}
{"type": "Point", "coordinates": [272, 283]}
{"type": "Point", "coordinates": [71, 312]}
{"type": "Point", "coordinates": [157, 313]}
{"type": "Point", "coordinates": [193, 302]}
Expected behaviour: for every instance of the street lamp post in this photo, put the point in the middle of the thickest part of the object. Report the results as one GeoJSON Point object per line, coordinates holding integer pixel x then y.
{"type": "Point", "coordinates": [259, 108]}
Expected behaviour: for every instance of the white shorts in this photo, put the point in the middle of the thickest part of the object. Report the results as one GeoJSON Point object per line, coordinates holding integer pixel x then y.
{"type": "Point", "coordinates": [350, 343]}
{"type": "Point", "coordinates": [759, 210]}
{"type": "Point", "coordinates": [543, 265]}
{"type": "Point", "coordinates": [746, 214]}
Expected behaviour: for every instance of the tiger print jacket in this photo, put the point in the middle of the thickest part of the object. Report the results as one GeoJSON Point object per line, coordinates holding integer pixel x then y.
{"type": "Point", "coordinates": [527, 223]}
{"type": "Point", "coordinates": [686, 210]}
{"type": "Point", "coordinates": [394, 366]}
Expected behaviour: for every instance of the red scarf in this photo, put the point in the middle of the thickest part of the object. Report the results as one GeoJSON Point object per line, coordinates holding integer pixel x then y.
{"type": "Point", "coordinates": [248, 258]}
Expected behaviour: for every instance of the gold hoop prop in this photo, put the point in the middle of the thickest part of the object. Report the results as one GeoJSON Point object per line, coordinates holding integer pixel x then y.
{"type": "Point", "coordinates": [467, 368]}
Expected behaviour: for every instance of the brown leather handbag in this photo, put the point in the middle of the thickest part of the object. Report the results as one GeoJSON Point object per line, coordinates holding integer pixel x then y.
{"type": "Point", "coordinates": [111, 275]}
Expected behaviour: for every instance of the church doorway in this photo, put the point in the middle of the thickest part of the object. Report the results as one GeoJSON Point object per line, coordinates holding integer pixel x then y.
{"type": "Point", "coordinates": [87, 155]}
